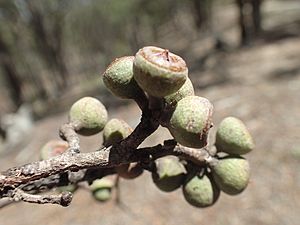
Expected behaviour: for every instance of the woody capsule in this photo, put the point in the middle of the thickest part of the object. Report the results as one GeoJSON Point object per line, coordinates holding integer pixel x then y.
{"type": "Point", "coordinates": [158, 71]}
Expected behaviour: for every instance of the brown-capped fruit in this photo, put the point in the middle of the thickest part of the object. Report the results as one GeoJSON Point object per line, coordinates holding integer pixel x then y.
{"type": "Point", "coordinates": [158, 71]}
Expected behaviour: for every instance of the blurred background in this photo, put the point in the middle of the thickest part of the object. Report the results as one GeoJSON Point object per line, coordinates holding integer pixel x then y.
{"type": "Point", "coordinates": [243, 55]}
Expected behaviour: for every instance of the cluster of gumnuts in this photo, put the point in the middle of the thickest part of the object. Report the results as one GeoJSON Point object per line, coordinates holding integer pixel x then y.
{"type": "Point", "coordinates": [164, 75]}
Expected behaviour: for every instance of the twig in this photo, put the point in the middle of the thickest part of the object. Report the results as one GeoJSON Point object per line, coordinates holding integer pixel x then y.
{"type": "Point", "coordinates": [63, 199]}
{"type": "Point", "coordinates": [67, 132]}
{"type": "Point", "coordinates": [141, 100]}
{"type": "Point", "coordinates": [105, 158]}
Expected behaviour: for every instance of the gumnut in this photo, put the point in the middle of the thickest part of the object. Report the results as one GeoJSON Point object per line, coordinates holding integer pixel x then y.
{"type": "Point", "coordinates": [53, 148]}
{"type": "Point", "coordinates": [233, 137]}
{"type": "Point", "coordinates": [118, 78]}
{"type": "Point", "coordinates": [129, 171]}
{"type": "Point", "coordinates": [114, 131]}
{"type": "Point", "coordinates": [158, 71]}
{"type": "Point", "coordinates": [187, 89]}
{"type": "Point", "coordinates": [101, 189]}
{"type": "Point", "coordinates": [191, 121]}
{"type": "Point", "coordinates": [169, 173]}
{"type": "Point", "coordinates": [200, 190]}
{"type": "Point", "coordinates": [231, 174]}
{"type": "Point", "coordinates": [102, 195]}
{"type": "Point", "coordinates": [88, 115]}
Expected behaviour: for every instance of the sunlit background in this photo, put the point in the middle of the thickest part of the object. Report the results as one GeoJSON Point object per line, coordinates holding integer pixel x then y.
{"type": "Point", "coordinates": [243, 55]}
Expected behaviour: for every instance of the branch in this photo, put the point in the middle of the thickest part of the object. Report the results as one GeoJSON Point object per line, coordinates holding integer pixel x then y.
{"type": "Point", "coordinates": [104, 158]}
{"type": "Point", "coordinates": [170, 147]}
{"type": "Point", "coordinates": [27, 181]}
{"type": "Point", "coordinates": [67, 132]}
{"type": "Point", "coordinates": [63, 199]}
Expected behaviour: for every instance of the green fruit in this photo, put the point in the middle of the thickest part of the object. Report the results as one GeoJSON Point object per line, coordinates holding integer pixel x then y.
{"type": "Point", "coordinates": [169, 173]}
{"type": "Point", "coordinates": [191, 121]}
{"type": "Point", "coordinates": [118, 78]}
{"type": "Point", "coordinates": [159, 72]}
{"type": "Point", "coordinates": [233, 137]}
{"type": "Point", "coordinates": [101, 189]}
{"type": "Point", "coordinates": [89, 115]}
{"type": "Point", "coordinates": [53, 148]}
{"type": "Point", "coordinates": [104, 182]}
{"type": "Point", "coordinates": [114, 131]}
{"type": "Point", "coordinates": [187, 89]}
{"type": "Point", "coordinates": [129, 171]}
{"type": "Point", "coordinates": [102, 195]}
{"type": "Point", "coordinates": [231, 174]}
{"type": "Point", "coordinates": [200, 191]}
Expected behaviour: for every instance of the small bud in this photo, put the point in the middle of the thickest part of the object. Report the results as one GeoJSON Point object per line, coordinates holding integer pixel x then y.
{"type": "Point", "coordinates": [114, 131]}
{"type": "Point", "coordinates": [158, 71]}
{"type": "Point", "coordinates": [129, 171]}
{"type": "Point", "coordinates": [231, 174]}
{"type": "Point", "coordinates": [118, 78]}
{"type": "Point", "coordinates": [53, 148]}
{"type": "Point", "coordinates": [233, 137]}
{"type": "Point", "coordinates": [187, 89]}
{"type": "Point", "coordinates": [101, 189]}
{"type": "Point", "coordinates": [191, 121]}
{"type": "Point", "coordinates": [200, 191]}
{"type": "Point", "coordinates": [104, 182]}
{"type": "Point", "coordinates": [102, 195]}
{"type": "Point", "coordinates": [169, 174]}
{"type": "Point", "coordinates": [89, 115]}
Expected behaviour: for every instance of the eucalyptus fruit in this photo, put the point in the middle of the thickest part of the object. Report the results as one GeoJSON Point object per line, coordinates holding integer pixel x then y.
{"type": "Point", "coordinates": [158, 71]}
{"type": "Point", "coordinates": [118, 78]}
{"type": "Point", "coordinates": [231, 174]}
{"type": "Point", "coordinates": [88, 115]}
{"type": "Point", "coordinates": [114, 131]}
{"type": "Point", "coordinates": [169, 173]}
{"type": "Point", "coordinates": [200, 191]}
{"type": "Point", "coordinates": [191, 121]}
{"type": "Point", "coordinates": [53, 148]}
{"type": "Point", "coordinates": [101, 189]}
{"type": "Point", "coordinates": [233, 137]}
{"type": "Point", "coordinates": [187, 89]}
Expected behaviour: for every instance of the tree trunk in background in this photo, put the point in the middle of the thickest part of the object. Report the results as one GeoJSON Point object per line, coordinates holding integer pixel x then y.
{"type": "Point", "coordinates": [256, 16]}
{"type": "Point", "coordinates": [244, 36]}
{"type": "Point", "coordinates": [57, 31]}
{"type": "Point", "coordinates": [10, 74]}
{"type": "Point", "coordinates": [249, 23]}
{"type": "Point", "coordinates": [134, 35]}
{"type": "Point", "coordinates": [2, 133]}
{"type": "Point", "coordinates": [49, 43]}
{"type": "Point", "coordinates": [202, 11]}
